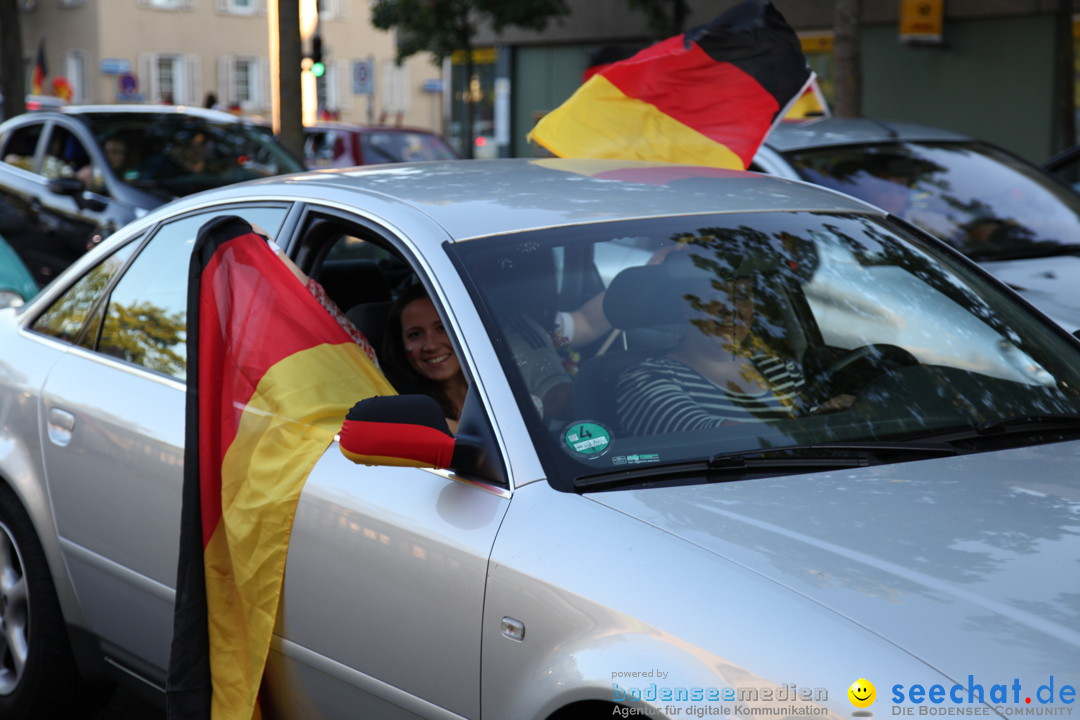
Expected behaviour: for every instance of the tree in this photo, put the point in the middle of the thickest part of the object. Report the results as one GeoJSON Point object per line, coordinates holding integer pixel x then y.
{"type": "Point", "coordinates": [11, 59]}
{"type": "Point", "coordinates": [667, 18]}
{"type": "Point", "coordinates": [847, 101]}
{"type": "Point", "coordinates": [442, 27]}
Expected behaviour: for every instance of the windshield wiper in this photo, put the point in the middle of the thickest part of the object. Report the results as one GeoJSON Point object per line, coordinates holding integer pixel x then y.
{"type": "Point", "coordinates": [794, 459]}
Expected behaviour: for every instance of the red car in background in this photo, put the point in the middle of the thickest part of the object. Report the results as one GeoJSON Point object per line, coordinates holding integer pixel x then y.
{"type": "Point", "coordinates": [333, 145]}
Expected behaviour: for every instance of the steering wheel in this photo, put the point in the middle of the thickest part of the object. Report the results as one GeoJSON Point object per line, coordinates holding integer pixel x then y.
{"type": "Point", "coordinates": [858, 367]}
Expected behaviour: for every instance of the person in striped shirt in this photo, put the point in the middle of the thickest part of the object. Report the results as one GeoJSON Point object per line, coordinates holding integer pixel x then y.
{"type": "Point", "coordinates": [718, 373]}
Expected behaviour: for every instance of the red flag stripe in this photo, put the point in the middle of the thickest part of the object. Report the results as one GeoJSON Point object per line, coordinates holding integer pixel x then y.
{"type": "Point", "coordinates": [238, 275]}
{"type": "Point", "coordinates": [693, 88]}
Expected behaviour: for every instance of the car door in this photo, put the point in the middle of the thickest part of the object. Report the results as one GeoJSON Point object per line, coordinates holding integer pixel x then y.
{"type": "Point", "coordinates": [70, 212]}
{"type": "Point", "coordinates": [20, 204]}
{"type": "Point", "coordinates": [112, 413]}
{"type": "Point", "coordinates": [382, 603]}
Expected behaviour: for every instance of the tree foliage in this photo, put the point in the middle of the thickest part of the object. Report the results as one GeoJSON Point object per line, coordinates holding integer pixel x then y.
{"type": "Point", "coordinates": [443, 26]}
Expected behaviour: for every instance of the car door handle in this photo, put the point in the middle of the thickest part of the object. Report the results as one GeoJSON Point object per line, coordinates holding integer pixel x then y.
{"type": "Point", "coordinates": [61, 423]}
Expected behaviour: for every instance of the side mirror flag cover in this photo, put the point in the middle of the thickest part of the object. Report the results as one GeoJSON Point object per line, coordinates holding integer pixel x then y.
{"type": "Point", "coordinates": [402, 431]}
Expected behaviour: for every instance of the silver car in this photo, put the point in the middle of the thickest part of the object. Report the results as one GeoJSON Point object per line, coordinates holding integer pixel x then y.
{"type": "Point", "coordinates": [902, 514]}
{"type": "Point", "coordinates": [1017, 220]}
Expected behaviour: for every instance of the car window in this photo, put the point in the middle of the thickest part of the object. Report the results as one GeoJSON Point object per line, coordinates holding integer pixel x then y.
{"type": "Point", "coordinates": [383, 147]}
{"type": "Point", "coordinates": [68, 314]}
{"type": "Point", "coordinates": [21, 145]}
{"type": "Point", "coordinates": [65, 156]}
{"type": "Point", "coordinates": [145, 322]}
{"type": "Point", "coordinates": [983, 201]}
{"type": "Point", "coordinates": [738, 333]}
{"type": "Point", "coordinates": [172, 155]}
{"type": "Point", "coordinates": [327, 148]}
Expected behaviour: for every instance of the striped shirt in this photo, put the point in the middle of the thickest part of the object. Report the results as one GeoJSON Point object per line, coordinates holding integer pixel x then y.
{"type": "Point", "coordinates": [662, 395]}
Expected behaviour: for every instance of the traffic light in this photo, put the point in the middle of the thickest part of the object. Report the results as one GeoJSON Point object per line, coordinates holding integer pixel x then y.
{"type": "Point", "coordinates": [317, 66]}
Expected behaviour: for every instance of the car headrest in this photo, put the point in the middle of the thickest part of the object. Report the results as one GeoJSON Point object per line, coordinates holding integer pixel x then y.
{"type": "Point", "coordinates": [651, 295]}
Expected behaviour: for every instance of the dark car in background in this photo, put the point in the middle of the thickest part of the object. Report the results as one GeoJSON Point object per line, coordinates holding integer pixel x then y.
{"type": "Point", "coordinates": [71, 176]}
{"type": "Point", "coordinates": [1018, 221]}
{"type": "Point", "coordinates": [1065, 166]}
{"type": "Point", "coordinates": [334, 145]}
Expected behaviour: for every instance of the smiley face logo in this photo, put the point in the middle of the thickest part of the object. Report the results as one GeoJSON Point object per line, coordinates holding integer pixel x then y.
{"type": "Point", "coordinates": [862, 693]}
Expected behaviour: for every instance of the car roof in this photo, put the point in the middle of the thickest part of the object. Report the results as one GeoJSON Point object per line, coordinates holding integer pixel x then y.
{"type": "Point", "coordinates": [826, 132]}
{"type": "Point", "coordinates": [186, 110]}
{"type": "Point", "coordinates": [478, 198]}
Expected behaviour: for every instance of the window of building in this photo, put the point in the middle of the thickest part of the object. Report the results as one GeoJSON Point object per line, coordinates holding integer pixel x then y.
{"type": "Point", "coordinates": [331, 9]}
{"type": "Point", "coordinates": [239, 7]}
{"type": "Point", "coordinates": [241, 80]}
{"type": "Point", "coordinates": [173, 78]}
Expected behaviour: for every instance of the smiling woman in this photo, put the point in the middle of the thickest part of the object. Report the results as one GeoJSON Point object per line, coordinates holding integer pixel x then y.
{"type": "Point", "coordinates": [418, 353]}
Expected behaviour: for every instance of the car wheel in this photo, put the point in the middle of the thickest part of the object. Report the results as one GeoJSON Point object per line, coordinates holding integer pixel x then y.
{"type": "Point", "coordinates": [37, 673]}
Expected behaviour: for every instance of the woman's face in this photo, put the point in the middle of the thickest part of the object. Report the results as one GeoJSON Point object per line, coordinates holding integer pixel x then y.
{"type": "Point", "coordinates": [426, 344]}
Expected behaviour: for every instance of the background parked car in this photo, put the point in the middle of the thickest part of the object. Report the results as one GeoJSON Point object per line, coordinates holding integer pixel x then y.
{"type": "Point", "coordinates": [16, 284]}
{"type": "Point", "coordinates": [1014, 218]}
{"type": "Point", "coordinates": [334, 145]}
{"type": "Point", "coordinates": [1065, 166]}
{"type": "Point", "coordinates": [71, 175]}
{"type": "Point", "coordinates": [921, 535]}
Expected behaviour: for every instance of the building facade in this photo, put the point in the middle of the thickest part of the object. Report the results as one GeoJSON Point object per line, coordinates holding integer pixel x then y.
{"type": "Point", "coordinates": [181, 51]}
{"type": "Point", "coordinates": [990, 73]}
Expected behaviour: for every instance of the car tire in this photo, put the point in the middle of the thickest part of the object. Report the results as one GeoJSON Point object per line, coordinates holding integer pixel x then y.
{"type": "Point", "coordinates": [38, 678]}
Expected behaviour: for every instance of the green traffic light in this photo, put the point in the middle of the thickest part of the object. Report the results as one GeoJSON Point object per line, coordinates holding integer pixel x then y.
{"type": "Point", "coordinates": [318, 69]}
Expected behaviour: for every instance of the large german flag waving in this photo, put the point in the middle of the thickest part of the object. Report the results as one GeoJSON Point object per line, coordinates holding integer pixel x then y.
{"type": "Point", "coordinates": [706, 97]}
{"type": "Point", "coordinates": [271, 375]}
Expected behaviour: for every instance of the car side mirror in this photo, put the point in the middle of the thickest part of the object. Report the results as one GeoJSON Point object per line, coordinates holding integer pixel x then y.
{"type": "Point", "coordinates": [75, 188]}
{"type": "Point", "coordinates": [66, 186]}
{"type": "Point", "coordinates": [410, 431]}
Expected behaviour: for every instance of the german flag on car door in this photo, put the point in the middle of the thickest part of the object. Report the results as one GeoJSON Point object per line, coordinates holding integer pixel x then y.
{"type": "Point", "coordinates": [706, 97]}
{"type": "Point", "coordinates": [271, 374]}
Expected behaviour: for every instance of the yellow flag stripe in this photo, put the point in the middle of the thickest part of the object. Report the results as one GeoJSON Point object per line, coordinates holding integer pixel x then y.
{"type": "Point", "coordinates": [292, 417]}
{"type": "Point", "coordinates": [599, 121]}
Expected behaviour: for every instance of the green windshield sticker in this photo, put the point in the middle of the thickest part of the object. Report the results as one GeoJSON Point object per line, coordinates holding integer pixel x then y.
{"type": "Point", "coordinates": [587, 438]}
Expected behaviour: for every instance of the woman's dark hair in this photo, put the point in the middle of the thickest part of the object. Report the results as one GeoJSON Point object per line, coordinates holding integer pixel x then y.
{"type": "Point", "coordinates": [395, 363]}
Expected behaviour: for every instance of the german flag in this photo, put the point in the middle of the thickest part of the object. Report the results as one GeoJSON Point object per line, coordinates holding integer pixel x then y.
{"type": "Point", "coordinates": [706, 97]}
{"type": "Point", "coordinates": [41, 70]}
{"type": "Point", "coordinates": [811, 104]}
{"type": "Point", "coordinates": [271, 375]}
{"type": "Point", "coordinates": [408, 432]}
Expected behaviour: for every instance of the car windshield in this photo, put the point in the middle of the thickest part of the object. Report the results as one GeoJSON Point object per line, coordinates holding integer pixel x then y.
{"type": "Point", "coordinates": [738, 333]}
{"type": "Point", "coordinates": [979, 199]}
{"type": "Point", "coordinates": [398, 146]}
{"type": "Point", "coordinates": [172, 155]}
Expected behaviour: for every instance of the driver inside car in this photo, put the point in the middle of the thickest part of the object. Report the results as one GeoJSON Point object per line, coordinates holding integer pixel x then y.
{"type": "Point", "coordinates": [724, 368]}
